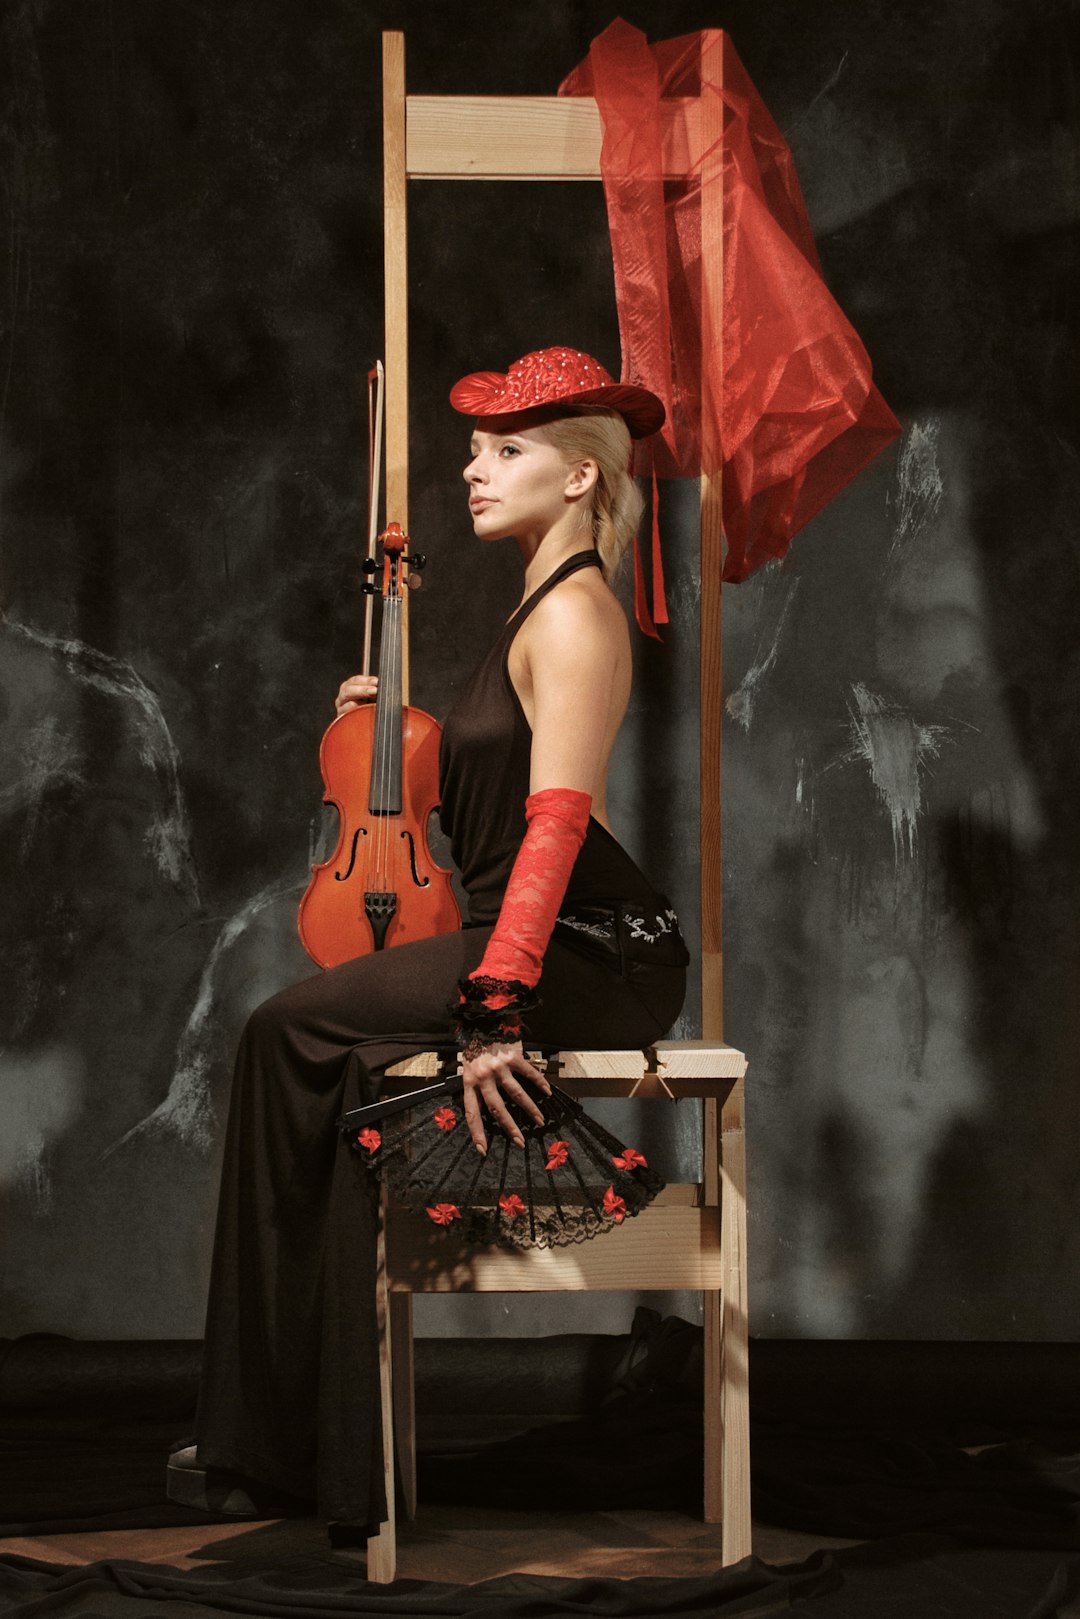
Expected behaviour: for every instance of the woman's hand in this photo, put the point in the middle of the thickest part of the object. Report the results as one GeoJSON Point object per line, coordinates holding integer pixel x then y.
{"type": "Point", "coordinates": [488, 1076]}
{"type": "Point", "coordinates": [356, 690]}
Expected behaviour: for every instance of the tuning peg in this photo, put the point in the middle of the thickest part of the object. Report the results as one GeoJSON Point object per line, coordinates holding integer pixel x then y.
{"type": "Point", "coordinates": [369, 589]}
{"type": "Point", "coordinates": [415, 581]}
{"type": "Point", "coordinates": [416, 560]}
{"type": "Point", "coordinates": [369, 565]}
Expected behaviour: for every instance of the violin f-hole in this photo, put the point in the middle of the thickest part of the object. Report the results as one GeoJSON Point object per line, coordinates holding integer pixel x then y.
{"type": "Point", "coordinates": [421, 882]}
{"type": "Point", "coordinates": [343, 876]}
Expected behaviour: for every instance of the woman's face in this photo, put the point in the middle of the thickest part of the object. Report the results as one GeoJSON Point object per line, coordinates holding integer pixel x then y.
{"type": "Point", "coordinates": [520, 485]}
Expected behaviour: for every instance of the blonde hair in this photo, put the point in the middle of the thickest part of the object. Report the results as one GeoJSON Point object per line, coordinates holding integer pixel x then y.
{"type": "Point", "coordinates": [616, 502]}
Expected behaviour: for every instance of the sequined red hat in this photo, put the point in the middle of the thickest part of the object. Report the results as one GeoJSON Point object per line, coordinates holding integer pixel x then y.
{"type": "Point", "coordinates": [556, 377]}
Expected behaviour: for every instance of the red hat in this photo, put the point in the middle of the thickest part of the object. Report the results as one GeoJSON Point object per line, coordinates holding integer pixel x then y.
{"type": "Point", "coordinates": [556, 377]}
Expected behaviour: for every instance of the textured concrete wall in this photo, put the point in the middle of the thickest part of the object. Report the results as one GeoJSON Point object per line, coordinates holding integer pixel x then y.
{"type": "Point", "coordinates": [193, 294]}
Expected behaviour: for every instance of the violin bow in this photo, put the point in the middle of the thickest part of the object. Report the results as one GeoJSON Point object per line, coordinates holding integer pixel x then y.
{"type": "Point", "coordinates": [375, 382]}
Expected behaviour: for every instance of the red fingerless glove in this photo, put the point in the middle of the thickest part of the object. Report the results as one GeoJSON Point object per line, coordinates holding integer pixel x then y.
{"type": "Point", "coordinates": [556, 822]}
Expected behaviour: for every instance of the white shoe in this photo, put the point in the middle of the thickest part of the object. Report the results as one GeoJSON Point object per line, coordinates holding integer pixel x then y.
{"type": "Point", "coordinates": [213, 1489]}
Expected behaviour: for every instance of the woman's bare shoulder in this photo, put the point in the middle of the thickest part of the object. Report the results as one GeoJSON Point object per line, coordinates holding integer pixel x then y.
{"type": "Point", "coordinates": [584, 604]}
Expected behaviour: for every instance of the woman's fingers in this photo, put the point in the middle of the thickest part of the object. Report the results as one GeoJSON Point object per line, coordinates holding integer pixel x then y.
{"type": "Point", "coordinates": [491, 1076]}
{"type": "Point", "coordinates": [523, 1099]}
{"type": "Point", "coordinates": [472, 1120]}
{"type": "Point", "coordinates": [500, 1112]}
{"type": "Point", "coordinates": [356, 690]}
{"type": "Point", "coordinates": [524, 1066]}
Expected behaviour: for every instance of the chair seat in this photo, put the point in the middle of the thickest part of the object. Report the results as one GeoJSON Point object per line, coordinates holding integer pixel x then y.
{"type": "Point", "coordinates": [669, 1068]}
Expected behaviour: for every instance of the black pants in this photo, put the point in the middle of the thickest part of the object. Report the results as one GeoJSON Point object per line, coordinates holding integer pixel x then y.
{"type": "Point", "coordinates": [289, 1390]}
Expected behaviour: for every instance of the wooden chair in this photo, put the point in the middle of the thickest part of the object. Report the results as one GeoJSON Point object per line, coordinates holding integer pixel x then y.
{"type": "Point", "coordinates": [694, 1235]}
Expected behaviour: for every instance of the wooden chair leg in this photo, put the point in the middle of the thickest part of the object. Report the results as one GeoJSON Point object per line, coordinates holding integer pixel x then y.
{"type": "Point", "coordinates": [382, 1547]}
{"type": "Point", "coordinates": [713, 1323]}
{"type": "Point", "coordinates": [713, 1303]}
{"type": "Point", "coordinates": [734, 1381]}
{"type": "Point", "coordinates": [404, 1398]}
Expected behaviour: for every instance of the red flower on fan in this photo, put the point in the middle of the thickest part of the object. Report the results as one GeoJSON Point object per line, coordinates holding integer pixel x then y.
{"type": "Point", "coordinates": [630, 1159]}
{"type": "Point", "coordinates": [369, 1139]}
{"type": "Point", "coordinates": [558, 1153]}
{"type": "Point", "coordinates": [511, 1205]}
{"type": "Point", "coordinates": [615, 1205]}
{"type": "Point", "coordinates": [443, 1213]}
{"type": "Point", "coordinates": [446, 1118]}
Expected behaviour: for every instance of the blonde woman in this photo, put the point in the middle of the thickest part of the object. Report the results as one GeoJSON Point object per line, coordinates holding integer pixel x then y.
{"type": "Point", "coordinates": [566, 943]}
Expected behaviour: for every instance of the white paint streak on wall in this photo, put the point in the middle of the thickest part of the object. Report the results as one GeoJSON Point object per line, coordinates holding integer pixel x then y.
{"type": "Point", "coordinates": [47, 760]}
{"type": "Point", "coordinates": [740, 705]}
{"type": "Point", "coordinates": [169, 835]}
{"type": "Point", "coordinates": [187, 1109]}
{"type": "Point", "coordinates": [42, 1092]}
{"type": "Point", "coordinates": [896, 748]}
{"type": "Point", "coordinates": [919, 486]}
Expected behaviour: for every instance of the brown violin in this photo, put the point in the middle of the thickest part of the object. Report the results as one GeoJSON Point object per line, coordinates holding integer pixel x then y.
{"type": "Point", "coordinates": [380, 766]}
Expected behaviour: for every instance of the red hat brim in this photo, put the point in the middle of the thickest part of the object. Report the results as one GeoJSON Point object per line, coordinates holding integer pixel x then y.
{"type": "Point", "coordinates": [483, 393]}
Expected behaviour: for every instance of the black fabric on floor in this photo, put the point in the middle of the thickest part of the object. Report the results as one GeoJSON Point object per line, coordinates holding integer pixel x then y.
{"type": "Point", "coordinates": [838, 1484]}
{"type": "Point", "coordinates": [913, 1578]}
{"type": "Point", "coordinates": [69, 1474]}
{"type": "Point", "coordinates": [640, 1451]}
{"type": "Point", "coordinates": [312, 1587]}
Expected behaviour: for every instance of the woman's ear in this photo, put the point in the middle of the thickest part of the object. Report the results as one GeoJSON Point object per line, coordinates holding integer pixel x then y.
{"type": "Point", "coordinates": [582, 478]}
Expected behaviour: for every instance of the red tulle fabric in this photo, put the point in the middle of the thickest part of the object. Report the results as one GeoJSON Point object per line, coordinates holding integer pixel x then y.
{"type": "Point", "coordinates": [776, 393]}
{"type": "Point", "coordinates": [556, 822]}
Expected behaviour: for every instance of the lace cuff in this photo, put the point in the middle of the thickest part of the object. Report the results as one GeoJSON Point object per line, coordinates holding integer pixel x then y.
{"type": "Point", "coordinates": [489, 1010]}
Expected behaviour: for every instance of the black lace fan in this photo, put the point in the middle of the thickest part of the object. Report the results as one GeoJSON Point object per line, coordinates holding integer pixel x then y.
{"type": "Point", "coordinates": [571, 1180]}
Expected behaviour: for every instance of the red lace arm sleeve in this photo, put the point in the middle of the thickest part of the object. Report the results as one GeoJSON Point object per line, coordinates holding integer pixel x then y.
{"type": "Point", "coordinates": [494, 996]}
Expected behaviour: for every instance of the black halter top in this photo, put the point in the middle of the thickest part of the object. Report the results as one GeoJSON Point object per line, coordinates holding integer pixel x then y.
{"type": "Point", "coordinates": [484, 764]}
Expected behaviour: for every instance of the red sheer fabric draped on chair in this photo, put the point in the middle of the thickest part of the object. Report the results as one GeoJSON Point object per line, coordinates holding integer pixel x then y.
{"type": "Point", "coordinates": [777, 393]}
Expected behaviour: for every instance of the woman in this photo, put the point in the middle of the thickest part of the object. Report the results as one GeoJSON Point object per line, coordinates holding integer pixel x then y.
{"type": "Point", "coordinates": [566, 941]}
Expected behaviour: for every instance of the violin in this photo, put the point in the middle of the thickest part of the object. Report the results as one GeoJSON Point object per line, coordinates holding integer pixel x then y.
{"type": "Point", "coordinates": [380, 766]}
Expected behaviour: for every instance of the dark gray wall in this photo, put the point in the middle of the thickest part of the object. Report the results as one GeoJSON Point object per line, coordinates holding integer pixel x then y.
{"type": "Point", "coordinates": [193, 294]}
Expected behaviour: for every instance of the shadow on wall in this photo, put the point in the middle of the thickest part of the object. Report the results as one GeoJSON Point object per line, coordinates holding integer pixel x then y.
{"type": "Point", "coordinates": [907, 738]}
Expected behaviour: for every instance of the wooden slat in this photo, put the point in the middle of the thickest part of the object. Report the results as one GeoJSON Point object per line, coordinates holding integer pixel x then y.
{"type": "Point", "coordinates": [396, 306]}
{"type": "Point", "coordinates": [666, 1246]}
{"type": "Point", "coordinates": [710, 598]}
{"type": "Point", "coordinates": [735, 1370]}
{"type": "Point", "coordinates": [603, 1065]}
{"type": "Point", "coordinates": [382, 1547]}
{"type": "Point", "coordinates": [705, 1059]}
{"type": "Point", "coordinates": [667, 1062]}
{"type": "Point", "coordinates": [396, 281]}
{"type": "Point", "coordinates": [712, 1317]}
{"type": "Point", "coordinates": [404, 1398]}
{"type": "Point", "coordinates": [527, 137]}
{"type": "Point", "coordinates": [651, 1087]}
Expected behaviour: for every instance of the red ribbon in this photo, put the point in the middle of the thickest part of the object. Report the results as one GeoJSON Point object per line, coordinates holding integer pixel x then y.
{"type": "Point", "coordinates": [558, 1153]}
{"type": "Point", "coordinates": [631, 1159]}
{"type": "Point", "coordinates": [764, 379]}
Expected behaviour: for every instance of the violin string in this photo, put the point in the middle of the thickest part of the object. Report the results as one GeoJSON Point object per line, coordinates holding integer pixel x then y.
{"type": "Point", "coordinates": [384, 824]}
{"type": "Point", "coordinates": [390, 605]}
{"type": "Point", "coordinates": [385, 675]}
{"type": "Point", "coordinates": [384, 761]}
{"type": "Point", "coordinates": [396, 665]}
{"type": "Point", "coordinates": [372, 882]}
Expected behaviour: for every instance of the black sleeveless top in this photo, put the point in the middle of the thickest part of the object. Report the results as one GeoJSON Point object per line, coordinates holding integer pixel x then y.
{"type": "Point", "coordinates": [484, 766]}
